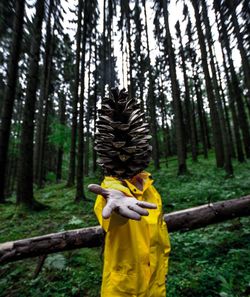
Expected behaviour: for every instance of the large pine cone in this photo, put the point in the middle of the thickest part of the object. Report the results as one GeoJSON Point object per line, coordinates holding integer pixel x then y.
{"type": "Point", "coordinates": [122, 140]}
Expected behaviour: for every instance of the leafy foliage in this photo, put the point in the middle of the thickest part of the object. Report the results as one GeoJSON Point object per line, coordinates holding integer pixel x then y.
{"type": "Point", "coordinates": [56, 261]}
{"type": "Point", "coordinates": [60, 135]}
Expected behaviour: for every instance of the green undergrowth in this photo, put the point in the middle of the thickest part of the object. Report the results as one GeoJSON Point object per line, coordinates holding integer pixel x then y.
{"type": "Point", "coordinates": [213, 261]}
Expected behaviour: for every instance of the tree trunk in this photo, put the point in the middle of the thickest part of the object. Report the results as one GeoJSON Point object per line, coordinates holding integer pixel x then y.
{"type": "Point", "coordinates": [209, 87]}
{"type": "Point", "coordinates": [237, 94]}
{"type": "Point", "coordinates": [153, 121]}
{"type": "Point", "coordinates": [95, 104]}
{"type": "Point", "coordinates": [236, 127]}
{"type": "Point", "coordinates": [87, 154]}
{"type": "Point", "coordinates": [80, 154]}
{"type": "Point", "coordinates": [164, 128]}
{"type": "Point", "coordinates": [190, 125]}
{"type": "Point", "coordinates": [244, 57]}
{"type": "Point", "coordinates": [181, 146]}
{"type": "Point", "coordinates": [72, 162]}
{"type": "Point", "coordinates": [109, 33]}
{"type": "Point", "coordinates": [192, 56]}
{"type": "Point", "coordinates": [151, 100]}
{"type": "Point", "coordinates": [225, 108]}
{"type": "Point", "coordinates": [104, 54]}
{"type": "Point", "coordinates": [42, 98]}
{"type": "Point", "coordinates": [13, 144]}
{"type": "Point", "coordinates": [225, 141]}
{"type": "Point", "coordinates": [183, 220]}
{"type": "Point", "coordinates": [50, 153]}
{"type": "Point", "coordinates": [202, 119]}
{"type": "Point", "coordinates": [131, 87]}
{"type": "Point", "coordinates": [170, 147]}
{"type": "Point", "coordinates": [204, 215]}
{"type": "Point", "coordinates": [62, 117]}
{"type": "Point", "coordinates": [140, 55]}
{"type": "Point", "coordinates": [9, 94]}
{"type": "Point", "coordinates": [25, 166]}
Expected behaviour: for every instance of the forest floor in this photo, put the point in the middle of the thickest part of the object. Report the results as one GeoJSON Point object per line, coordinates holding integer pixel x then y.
{"type": "Point", "coordinates": [209, 262]}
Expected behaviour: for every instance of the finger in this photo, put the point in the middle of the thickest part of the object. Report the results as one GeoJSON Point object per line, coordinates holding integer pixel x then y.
{"type": "Point", "coordinates": [107, 210]}
{"type": "Point", "coordinates": [139, 210]}
{"type": "Point", "coordinates": [146, 205]}
{"type": "Point", "coordinates": [130, 214]}
{"type": "Point", "coordinates": [98, 190]}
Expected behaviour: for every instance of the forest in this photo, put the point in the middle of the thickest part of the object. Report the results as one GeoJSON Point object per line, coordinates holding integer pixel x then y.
{"type": "Point", "coordinates": [187, 64]}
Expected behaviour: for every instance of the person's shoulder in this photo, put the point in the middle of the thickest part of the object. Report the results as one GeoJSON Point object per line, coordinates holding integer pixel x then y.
{"type": "Point", "coordinates": [109, 180]}
{"type": "Point", "coordinates": [145, 175]}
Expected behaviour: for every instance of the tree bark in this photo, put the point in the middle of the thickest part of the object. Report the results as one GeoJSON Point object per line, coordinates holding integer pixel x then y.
{"type": "Point", "coordinates": [104, 52]}
{"type": "Point", "coordinates": [184, 220]}
{"type": "Point", "coordinates": [14, 148]}
{"type": "Point", "coordinates": [44, 93]}
{"type": "Point", "coordinates": [164, 118]}
{"type": "Point", "coordinates": [131, 87]}
{"type": "Point", "coordinates": [236, 126]}
{"type": "Point", "coordinates": [72, 162]}
{"type": "Point", "coordinates": [204, 215]}
{"type": "Point", "coordinates": [181, 146]}
{"type": "Point", "coordinates": [224, 133]}
{"type": "Point", "coordinates": [151, 100]}
{"type": "Point", "coordinates": [62, 118]}
{"type": "Point", "coordinates": [237, 94]}
{"type": "Point", "coordinates": [95, 102]}
{"type": "Point", "coordinates": [9, 94]}
{"type": "Point", "coordinates": [190, 124]}
{"type": "Point", "coordinates": [80, 154]}
{"type": "Point", "coordinates": [218, 145]}
{"type": "Point", "coordinates": [109, 42]}
{"type": "Point", "coordinates": [225, 107]}
{"type": "Point", "coordinates": [243, 53]}
{"type": "Point", "coordinates": [88, 117]}
{"type": "Point", "coordinates": [41, 177]}
{"type": "Point", "coordinates": [140, 55]}
{"type": "Point", "coordinates": [203, 130]}
{"type": "Point", "coordinates": [25, 166]}
{"type": "Point", "coordinates": [201, 117]}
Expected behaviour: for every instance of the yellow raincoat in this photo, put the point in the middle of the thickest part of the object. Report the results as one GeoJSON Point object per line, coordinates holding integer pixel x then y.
{"type": "Point", "coordinates": [136, 252]}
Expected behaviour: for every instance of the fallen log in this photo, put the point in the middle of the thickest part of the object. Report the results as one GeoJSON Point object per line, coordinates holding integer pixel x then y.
{"type": "Point", "coordinates": [184, 220]}
{"type": "Point", "coordinates": [208, 214]}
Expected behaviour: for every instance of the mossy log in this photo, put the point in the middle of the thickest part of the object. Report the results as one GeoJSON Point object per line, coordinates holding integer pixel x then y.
{"type": "Point", "coordinates": [184, 220]}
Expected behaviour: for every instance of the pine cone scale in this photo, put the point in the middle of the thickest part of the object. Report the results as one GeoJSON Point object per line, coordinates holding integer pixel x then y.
{"type": "Point", "coordinates": [122, 140]}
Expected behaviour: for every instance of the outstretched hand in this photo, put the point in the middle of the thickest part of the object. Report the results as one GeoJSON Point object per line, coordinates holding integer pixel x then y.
{"type": "Point", "coordinates": [128, 207]}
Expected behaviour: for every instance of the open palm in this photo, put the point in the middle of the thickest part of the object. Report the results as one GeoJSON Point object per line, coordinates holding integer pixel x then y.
{"type": "Point", "coordinates": [126, 206]}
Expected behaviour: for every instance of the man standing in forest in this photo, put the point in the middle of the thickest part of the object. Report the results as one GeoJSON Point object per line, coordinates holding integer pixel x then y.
{"type": "Point", "coordinates": [136, 243]}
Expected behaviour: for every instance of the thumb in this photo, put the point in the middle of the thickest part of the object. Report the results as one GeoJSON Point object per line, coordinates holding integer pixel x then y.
{"type": "Point", "coordinates": [98, 190]}
{"type": "Point", "coordinates": [107, 210]}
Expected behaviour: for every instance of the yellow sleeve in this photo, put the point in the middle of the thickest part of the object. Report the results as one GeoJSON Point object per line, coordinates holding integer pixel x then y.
{"type": "Point", "coordinates": [115, 219]}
